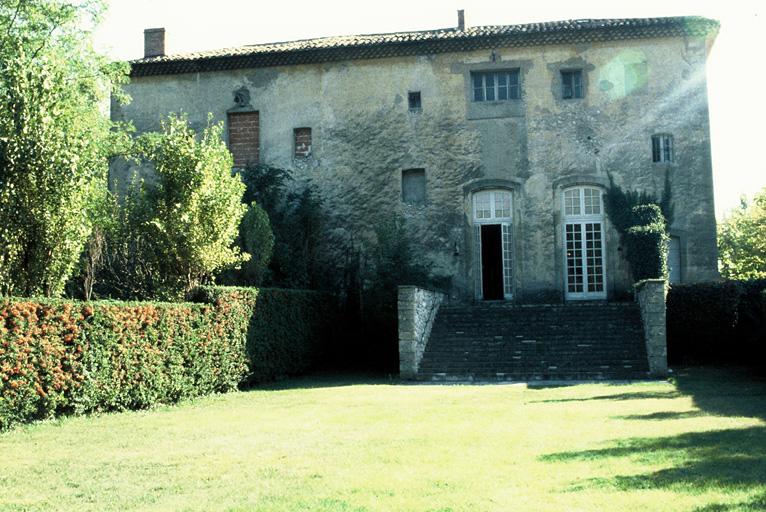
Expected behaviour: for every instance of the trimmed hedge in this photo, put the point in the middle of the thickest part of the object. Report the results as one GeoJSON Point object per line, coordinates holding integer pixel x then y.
{"type": "Point", "coordinates": [289, 330]}
{"type": "Point", "coordinates": [717, 323]}
{"type": "Point", "coordinates": [59, 357]}
{"type": "Point", "coordinates": [70, 357]}
{"type": "Point", "coordinates": [646, 243]}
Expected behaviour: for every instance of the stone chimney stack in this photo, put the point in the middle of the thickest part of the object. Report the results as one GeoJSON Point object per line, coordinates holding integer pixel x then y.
{"type": "Point", "coordinates": [154, 42]}
{"type": "Point", "coordinates": [461, 20]}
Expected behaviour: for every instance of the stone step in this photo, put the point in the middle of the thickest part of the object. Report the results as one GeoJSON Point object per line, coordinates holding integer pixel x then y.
{"type": "Point", "coordinates": [501, 341]}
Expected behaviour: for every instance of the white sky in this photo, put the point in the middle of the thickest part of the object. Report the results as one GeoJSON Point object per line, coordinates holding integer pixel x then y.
{"type": "Point", "coordinates": [736, 75]}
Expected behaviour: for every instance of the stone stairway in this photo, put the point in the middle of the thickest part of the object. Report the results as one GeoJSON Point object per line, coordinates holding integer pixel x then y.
{"type": "Point", "coordinates": [502, 342]}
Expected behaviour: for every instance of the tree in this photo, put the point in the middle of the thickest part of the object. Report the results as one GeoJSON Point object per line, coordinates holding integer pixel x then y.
{"type": "Point", "coordinates": [742, 240]}
{"type": "Point", "coordinates": [193, 205]}
{"type": "Point", "coordinates": [55, 140]}
{"type": "Point", "coordinates": [256, 239]}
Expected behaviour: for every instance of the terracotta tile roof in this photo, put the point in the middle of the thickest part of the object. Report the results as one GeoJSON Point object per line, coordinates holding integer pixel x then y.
{"type": "Point", "coordinates": [373, 46]}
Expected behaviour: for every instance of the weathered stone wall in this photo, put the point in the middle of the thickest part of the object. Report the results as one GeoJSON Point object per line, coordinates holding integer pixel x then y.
{"type": "Point", "coordinates": [417, 311]}
{"type": "Point", "coordinates": [651, 295]}
{"type": "Point", "coordinates": [364, 135]}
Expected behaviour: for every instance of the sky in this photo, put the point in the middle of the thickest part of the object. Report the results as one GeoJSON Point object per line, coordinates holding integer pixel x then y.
{"type": "Point", "coordinates": [736, 76]}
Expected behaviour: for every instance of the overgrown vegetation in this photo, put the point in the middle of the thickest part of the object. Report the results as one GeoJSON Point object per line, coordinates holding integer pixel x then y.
{"type": "Point", "coordinates": [642, 222]}
{"type": "Point", "coordinates": [717, 323]}
{"type": "Point", "coordinates": [742, 240]}
{"type": "Point", "coordinates": [54, 140]}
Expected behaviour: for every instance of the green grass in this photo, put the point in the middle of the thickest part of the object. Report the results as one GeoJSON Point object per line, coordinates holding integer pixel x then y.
{"type": "Point", "coordinates": [338, 445]}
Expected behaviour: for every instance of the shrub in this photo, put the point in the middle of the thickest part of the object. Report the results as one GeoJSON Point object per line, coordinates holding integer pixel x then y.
{"type": "Point", "coordinates": [646, 243]}
{"type": "Point", "coordinates": [717, 323]}
{"type": "Point", "coordinates": [74, 357]}
{"type": "Point", "coordinates": [59, 357]}
{"type": "Point", "coordinates": [288, 331]}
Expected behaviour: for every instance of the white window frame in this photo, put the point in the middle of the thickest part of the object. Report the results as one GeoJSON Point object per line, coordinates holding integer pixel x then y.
{"type": "Point", "coordinates": [582, 218]}
{"type": "Point", "coordinates": [496, 86]}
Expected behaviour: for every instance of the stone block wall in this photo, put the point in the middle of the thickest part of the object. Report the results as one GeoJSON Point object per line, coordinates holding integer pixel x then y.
{"type": "Point", "coordinates": [417, 311]}
{"type": "Point", "coordinates": [651, 295]}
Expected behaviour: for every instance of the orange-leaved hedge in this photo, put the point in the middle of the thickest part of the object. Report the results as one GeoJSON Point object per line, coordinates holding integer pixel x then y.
{"type": "Point", "coordinates": [63, 357]}
{"type": "Point", "coordinates": [70, 357]}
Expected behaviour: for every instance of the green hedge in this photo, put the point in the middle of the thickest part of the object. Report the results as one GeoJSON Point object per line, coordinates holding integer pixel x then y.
{"type": "Point", "coordinates": [717, 323]}
{"type": "Point", "coordinates": [60, 357]}
{"type": "Point", "coordinates": [289, 330]}
{"type": "Point", "coordinates": [70, 357]}
{"type": "Point", "coordinates": [646, 243]}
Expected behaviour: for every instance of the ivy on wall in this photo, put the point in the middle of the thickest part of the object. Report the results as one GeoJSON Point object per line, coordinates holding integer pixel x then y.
{"type": "Point", "coordinates": [642, 222]}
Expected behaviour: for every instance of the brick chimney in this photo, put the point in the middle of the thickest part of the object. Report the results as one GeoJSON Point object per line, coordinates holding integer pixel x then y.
{"type": "Point", "coordinates": [154, 42]}
{"type": "Point", "coordinates": [461, 20]}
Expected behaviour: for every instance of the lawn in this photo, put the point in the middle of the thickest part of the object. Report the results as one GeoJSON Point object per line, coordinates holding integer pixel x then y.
{"type": "Point", "coordinates": [333, 444]}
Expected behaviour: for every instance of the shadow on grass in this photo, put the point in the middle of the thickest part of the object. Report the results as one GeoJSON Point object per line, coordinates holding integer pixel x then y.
{"type": "Point", "coordinates": [732, 459]}
{"type": "Point", "coordinates": [638, 395]}
{"type": "Point", "coordinates": [665, 415]}
{"type": "Point", "coordinates": [324, 380]}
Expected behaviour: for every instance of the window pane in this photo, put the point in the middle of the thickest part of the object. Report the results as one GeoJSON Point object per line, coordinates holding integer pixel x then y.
{"type": "Point", "coordinates": [655, 148]}
{"type": "Point", "coordinates": [502, 205]}
{"type": "Point", "coordinates": [566, 83]}
{"type": "Point", "coordinates": [502, 86]}
{"type": "Point", "coordinates": [489, 86]}
{"type": "Point", "coordinates": [572, 202]}
{"type": "Point", "coordinates": [514, 91]}
{"type": "Point", "coordinates": [482, 205]}
{"type": "Point", "coordinates": [478, 87]}
{"type": "Point", "coordinates": [577, 84]}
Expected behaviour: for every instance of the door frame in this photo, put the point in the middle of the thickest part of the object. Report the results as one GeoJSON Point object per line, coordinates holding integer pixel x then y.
{"type": "Point", "coordinates": [506, 257]}
{"type": "Point", "coordinates": [582, 218]}
{"type": "Point", "coordinates": [584, 295]}
{"type": "Point", "coordinates": [505, 221]}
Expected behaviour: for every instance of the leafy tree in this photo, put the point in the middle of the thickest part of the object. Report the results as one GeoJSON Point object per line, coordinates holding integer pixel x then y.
{"type": "Point", "coordinates": [55, 140]}
{"type": "Point", "coordinates": [257, 240]}
{"type": "Point", "coordinates": [742, 240]}
{"type": "Point", "coordinates": [193, 205]}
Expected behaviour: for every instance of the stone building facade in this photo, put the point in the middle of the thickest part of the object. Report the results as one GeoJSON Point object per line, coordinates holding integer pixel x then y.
{"type": "Point", "coordinates": [494, 143]}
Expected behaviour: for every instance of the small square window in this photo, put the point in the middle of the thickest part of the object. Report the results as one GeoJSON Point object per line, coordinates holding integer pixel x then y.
{"type": "Point", "coordinates": [662, 148]}
{"type": "Point", "coordinates": [302, 145]}
{"type": "Point", "coordinates": [413, 99]}
{"type": "Point", "coordinates": [414, 186]}
{"type": "Point", "coordinates": [571, 84]}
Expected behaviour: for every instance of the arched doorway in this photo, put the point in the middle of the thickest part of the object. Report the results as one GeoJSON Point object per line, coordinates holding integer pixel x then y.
{"type": "Point", "coordinates": [493, 218]}
{"type": "Point", "coordinates": [584, 244]}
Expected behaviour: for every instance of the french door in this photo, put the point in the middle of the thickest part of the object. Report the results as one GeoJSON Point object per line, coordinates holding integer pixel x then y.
{"type": "Point", "coordinates": [492, 218]}
{"type": "Point", "coordinates": [584, 244]}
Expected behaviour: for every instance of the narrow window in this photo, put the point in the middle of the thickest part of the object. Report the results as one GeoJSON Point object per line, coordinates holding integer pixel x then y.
{"type": "Point", "coordinates": [496, 85]}
{"type": "Point", "coordinates": [414, 186]}
{"type": "Point", "coordinates": [571, 84]}
{"type": "Point", "coordinates": [244, 142]}
{"type": "Point", "coordinates": [302, 142]}
{"type": "Point", "coordinates": [662, 148]}
{"type": "Point", "coordinates": [414, 101]}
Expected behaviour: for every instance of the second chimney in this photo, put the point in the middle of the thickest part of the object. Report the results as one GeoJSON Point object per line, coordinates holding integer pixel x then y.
{"type": "Point", "coordinates": [154, 42]}
{"type": "Point", "coordinates": [461, 20]}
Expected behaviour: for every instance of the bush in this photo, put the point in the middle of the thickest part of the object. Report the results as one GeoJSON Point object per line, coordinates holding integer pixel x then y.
{"type": "Point", "coordinates": [61, 357]}
{"type": "Point", "coordinates": [717, 323]}
{"type": "Point", "coordinates": [646, 243]}
{"type": "Point", "coordinates": [288, 332]}
{"type": "Point", "coordinates": [70, 357]}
